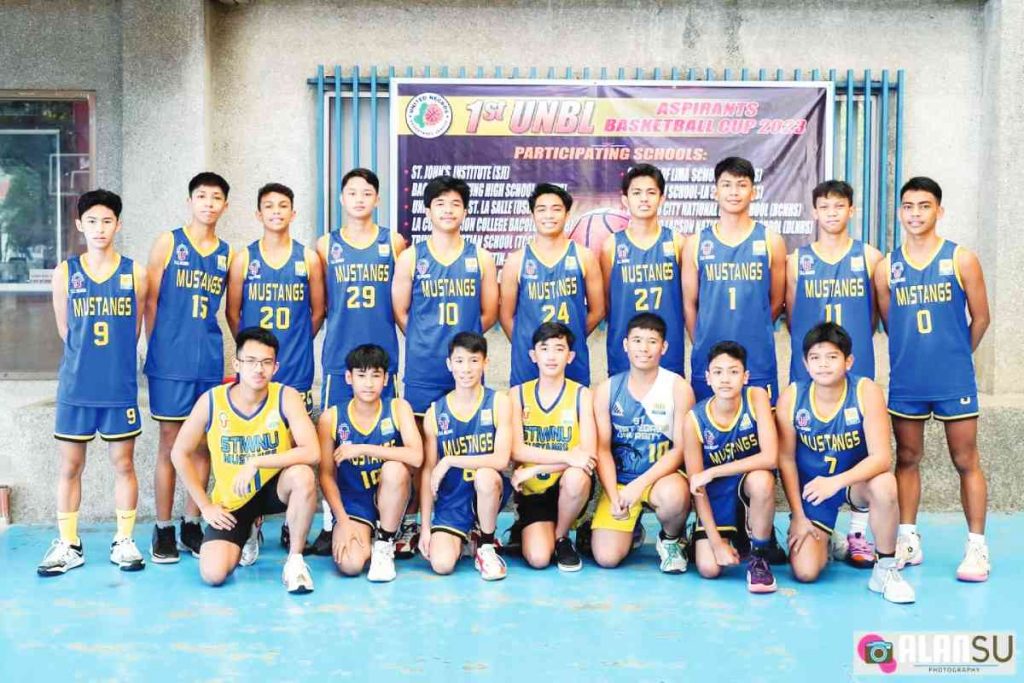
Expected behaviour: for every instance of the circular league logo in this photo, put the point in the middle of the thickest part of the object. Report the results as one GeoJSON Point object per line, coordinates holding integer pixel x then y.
{"type": "Point", "coordinates": [428, 115]}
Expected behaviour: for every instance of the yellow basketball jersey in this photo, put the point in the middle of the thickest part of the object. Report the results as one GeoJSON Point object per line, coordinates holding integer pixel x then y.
{"type": "Point", "coordinates": [555, 427]}
{"type": "Point", "coordinates": [234, 439]}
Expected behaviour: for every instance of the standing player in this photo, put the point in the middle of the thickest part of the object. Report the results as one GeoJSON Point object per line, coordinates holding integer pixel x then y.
{"type": "Point", "coordinates": [834, 449]}
{"type": "Point", "coordinates": [188, 270]}
{"type": "Point", "coordinates": [731, 451]}
{"type": "Point", "coordinates": [262, 449]}
{"type": "Point", "coordinates": [931, 295]}
{"type": "Point", "coordinates": [467, 446]}
{"type": "Point", "coordinates": [734, 281]}
{"type": "Point", "coordinates": [368, 445]}
{"type": "Point", "coordinates": [554, 441]}
{"type": "Point", "coordinates": [639, 415]}
{"type": "Point", "coordinates": [552, 279]}
{"type": "Point", "coordinates": [831, 281]}
{"type": "Point", "coordinates": [442, 286]}
{"type": "Point", "coordinates": [358, 263]}
{"type": "Point", "coordinates": [96, 298]}
{"type": "Point", "coordinates": [641, 270]}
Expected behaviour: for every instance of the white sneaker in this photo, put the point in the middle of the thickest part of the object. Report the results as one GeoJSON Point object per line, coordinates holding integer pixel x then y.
{"type": "Point", "coordinates": [251, 549]}
{"type": "Point", "coordinates": [838, 546]}
{"type": "Point", "coordinates": [673, 559]}
{"type": "Point", "coordinates": [295, 575]}
{"type": "Point", "coordinates": [489, 563]}
{"type": "Point", "coordinates": [908, 549]}
{"type": "Point", "coordinates": [61, 557]}
{"type": "Point", "coordinates": [975, 567]}
{"type": "Point", "coordinates": [887, 580]}
{"type": "Point", "coordinates": [382, 562]}
{"type": "Point", "coordinates": [126, 556]}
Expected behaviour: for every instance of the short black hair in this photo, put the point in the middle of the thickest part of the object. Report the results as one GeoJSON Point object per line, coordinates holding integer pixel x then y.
{"type": "Point", "coordinates": [834, 188]}
{"type": "Point", "coordinates": [643, 171]}
{"type": "Point", "coordinates": [470, 341]}
{"type": "Point", "coordinates": [831, 333]}
{"type": "Point", "coordinates": [737, 166]}
{"type": "Point", "coordinates": [99, 198]}
{"type": "Point", "coordinates": [922, 184]}
{"type": "Point", "coordinates": [553, 330]}
{"type": "Point", "coordinates": [257, 334]}
{"type": "Point", "coordinates": [208, 179]}
{"type": "Point", "coordinates": [647, 321]}
{"type": "Point", "coordinates": [364, 173]}
{"type": "Point", "coordinates": [731, 349]}
{"type": "Point", "coordinates": [367, 357]}
{"type": "Point", "coordinates": [274, 187]}
{"type": "Point", "coordinates": [445, 183]}
{"type": "Point", "coordinates": [548, 188]}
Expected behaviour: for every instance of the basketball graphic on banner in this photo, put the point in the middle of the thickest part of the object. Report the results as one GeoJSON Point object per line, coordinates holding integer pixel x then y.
{"type": "Point", "coordinates": [593, 227]}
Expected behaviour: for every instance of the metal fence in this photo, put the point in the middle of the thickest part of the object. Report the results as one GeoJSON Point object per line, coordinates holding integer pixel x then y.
{"type": "Point", "coordinates": [352, 127]}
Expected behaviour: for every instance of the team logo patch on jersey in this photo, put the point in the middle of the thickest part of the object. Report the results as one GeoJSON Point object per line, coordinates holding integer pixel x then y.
{"type": "Point", "coordinates": [851, 415]}
{"type": "Point", "coordinates": [857, 264]}
{"type": "Point", "coordinates": [568, 417]}
{"type": "Point", "coordinates": [746, 422]}
{"type": "Point", "coordinates": [300, 268]}
{"type": "Point", "coordinates": [946, 266]}
{"type": "Point", "coordinates": [896, 272]}
{"type": "Point", "coordinates": [709, 439]}
{"type": "Point", "coordinates": [471, 265]}
{"type": "Point", "coordinates": [803, 419]}
{"type": "Point", "coordinates": [707, 249]}
{"type": "Point", "coordinates": [443, 424]}
{"type": "Point", "coordinates": [254, 268]}
{"type": "Point", "coordinates": [617, 410]}
{"type": "Point", "coordinates": [422, 267]}
{"type": "Point", "coordinates": [336, 253]}
{"type": "Point", "coordinates": [807, 265]}
{"type": "Point", "coordinates": [384, 250]}
{"type": "Point", "coordinates": [181, 253]}
{"type": "Point", "coordinates": [571, 263]}
{"type": "Point", "coordinates": [486, 417]}
{"type": "Point", "coordinates": [530, 268]}
{"type": "Point", "coordinates": [668, 249]}
{"type": "Point", "coordinates": [126, 281]}
{"type": "Point", "coordinates": [659, 408]}
{"type": "Point", "coordinates": [386, 426]}
{"type": "Point", "coordinates": [273, 422]}
{"type": "Point", "coordinates": [760, 248]}
{"type": "Point", "coordinates": [622, 253]}
{"type": "Point", "coordinates": [77, 282]}
{"type": "Point", "coordinates": [222, 419]}
{"type": "Point", "coordinates": [344, 433]}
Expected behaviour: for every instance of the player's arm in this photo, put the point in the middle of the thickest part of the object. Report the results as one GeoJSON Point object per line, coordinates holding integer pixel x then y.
{"type": "Point", "coordinates": [790, 289]}
{"type": "Point", "coordinates": [60, 299]}
{"type": "Point", "coordinates": [693, 456]}
{"type": "Point", "coordinates": [881, 281]}
{"type": "Point", "coordinates": [427, 472]}
{"type": "Point", "coordinates": [158, 257]}
{"type": "Point", "coordinates": [401, 288]}
{"type": "Point", "coordinates": [317, 296]}
{"type": "Point", "coordinates": [603, 424]}
{"type": "Point", "coordinates": [488, 290]}
{"type": "Point", "coordinates": [410, 453]}
{"type": "Point", "coordinates": [593, 281]}
{"type": "Point", "coordinates": [328, 467]}
{"type": "Point", "coordinates": [606, 261]}
{"type": "Point", "coordinates": [672, 460]}
{"type": "Point", "coordinates": [777, 268]}
{"type": "Point", "coordinates": [799, 527]}
{"type": "Point", "coordinates": [236, 280]}
{"type": "Point", "coordinates": [509, 292]}
{"type": "Point", "coordinates": [306, 447]}
{"type": "Point", "coordinates": [190, 436]}
{"type": "Point", "coordinates": [141, 293]}
{"type": "Point", "coordinates": [499, 457]}
{"type": "Point", "coordinates": [977, 296]}
{"type": "Point", "coordinates": [398, 244]}
{"type": "Point", "coordinates": [691, 283]}
{"type": "Point", "coordinates": [872, 259]}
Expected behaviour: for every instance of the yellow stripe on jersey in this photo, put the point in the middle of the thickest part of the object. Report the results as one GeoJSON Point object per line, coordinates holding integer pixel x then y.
{"type": "Point", "coordinates": [234, 439]}
{"type": "Point", "coordinates": [555, 428]}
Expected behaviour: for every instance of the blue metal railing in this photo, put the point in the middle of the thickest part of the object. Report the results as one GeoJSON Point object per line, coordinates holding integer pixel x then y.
{"type": "Point", "coordinates": [867, 131]}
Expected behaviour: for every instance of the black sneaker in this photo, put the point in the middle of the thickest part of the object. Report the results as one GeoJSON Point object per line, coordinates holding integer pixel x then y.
{"type": "Point", "coordinates": [583, 534]}
{"type": "Point", "coordinates": [513, 545]}
{"type": "Point", "coordinates": [566, 556]}
{"type": "Point", "coordinates": [322, 546]}
{"type": "Point", "coordinates": [286, 537]}
{"type": "Point", "coordinates": [190, 538]}
{"type": "Point", "coordinates": [163, 549]}
{"type": "Point", "coordinates": [775, 553]}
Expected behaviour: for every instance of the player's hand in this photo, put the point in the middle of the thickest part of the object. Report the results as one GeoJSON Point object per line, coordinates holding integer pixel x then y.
{"type": "Point", "coordinates": [800, 529]}
{"type": "Point", "coordinates": [699, 480]}
{"type": "Point", "coordinates": [820, 489]}
{"type": "Point", "coordinates": [725, 554]}
{"type": "Point", "coordinates": [520, 476]}
{"type": "Point", "coordinates": [343, 537]}
{"type": "Point", "coordinates": [218, 517]}
{"type": "Point", "coordinates": [440, 469]}
{"type": "Point", "coordinates": [345, 451]}
{"type": "Point", "coordinates": [582, 460]}
{"type": "Point", "coordinates": [618, 510]}
{"type": "Point", "coordinates": [243, 481]}
{"type": "Point", "coordinates": [629, 495]}
{"type": "Point", "coordinates": [424, 543]}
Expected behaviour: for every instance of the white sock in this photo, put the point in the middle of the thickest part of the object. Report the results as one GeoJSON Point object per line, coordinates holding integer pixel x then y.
{"type": "Point", "coordinates": [904, 529]}
{"type": "Point", "coordinates": [886, 562]}
{"type": "Point", "coordinates": [976, 539]}
{"type": "Point", "coordinates": [294, 557]}
{"type": "Point", "coordinates": [328, 517]}
{"type": "Point", "coordinates": [858, 522]}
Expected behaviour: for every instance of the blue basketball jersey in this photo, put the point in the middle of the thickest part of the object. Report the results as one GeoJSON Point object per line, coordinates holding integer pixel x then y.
{"type": "Point", "coordinates": [550, 293]}
{"type": "Point", "coordinates": [645, 280]}
{"type": "Point", "coordinates": [930, 353]}
{"type": "Point", "coordinates": [734, 301]}
{"type": "Point", "coordinates": [835, 291]}
{"type": "Point", "coordinates": [99, 365]}
{"type": "Point", "coordinates": [186, 342]}
{"type": "Point", "coordinates": [730, 442]}
{"type": "Point", "coordinates": [641, 428]}
{"type": "Point", "coordinates": [460, 435]}
{"type": "Point", "coordinates": [828, 444]}
{"type": "Point", "coordinates": [276, 298]}
{"type": "Point", "coordinates": [362, 473]}
{"type": "Point", "coordinates": [359, 299]}
{"type": "Point", "coordinates": [445, 301]}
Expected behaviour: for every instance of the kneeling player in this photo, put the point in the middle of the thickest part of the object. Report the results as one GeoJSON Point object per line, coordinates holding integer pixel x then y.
{"type": "Point", "coordinates": [554, 440]}
{"type": "Point", "coordinates": [731, 451]}
{"type": "Point", "coordinates": [467, 446]}
{"type": "Point", "coordinates": [262, 452]}
{"type": "Point", "coordinates": [639, 415]}
{"type": "Point", "coordinates": [367, 447]}
{"type": "Point", "coordinates": [834, 449]}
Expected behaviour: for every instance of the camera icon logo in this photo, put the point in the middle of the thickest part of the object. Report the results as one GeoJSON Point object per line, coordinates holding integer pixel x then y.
{"type": "Point", "coordinates": [878, 652]}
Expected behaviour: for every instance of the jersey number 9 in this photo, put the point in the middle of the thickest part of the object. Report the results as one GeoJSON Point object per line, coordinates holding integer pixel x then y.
{"type": "Point", "coordinates": [100, 333]}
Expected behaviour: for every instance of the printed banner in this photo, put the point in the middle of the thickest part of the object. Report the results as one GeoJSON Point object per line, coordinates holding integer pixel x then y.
{"type": "Point", "coordinates": [505, 136]}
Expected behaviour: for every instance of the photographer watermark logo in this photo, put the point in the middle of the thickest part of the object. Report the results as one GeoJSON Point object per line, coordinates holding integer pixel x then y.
{"type": "Point", "coordinates": [968, 653]}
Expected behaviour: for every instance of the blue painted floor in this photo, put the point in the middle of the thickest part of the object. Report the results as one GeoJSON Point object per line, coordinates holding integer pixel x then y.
{"type": "Point", "coordinates": [627, 624]}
